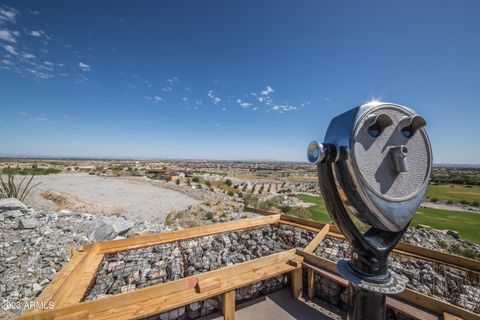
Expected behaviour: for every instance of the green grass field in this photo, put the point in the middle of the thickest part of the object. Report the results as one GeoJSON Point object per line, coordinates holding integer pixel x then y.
{"type": "Point", "coordinates": [454, 192]}
{"type": "Point", "coordinates": [467, 224]}
{"type": "Point", "coordinates": [318, 212]}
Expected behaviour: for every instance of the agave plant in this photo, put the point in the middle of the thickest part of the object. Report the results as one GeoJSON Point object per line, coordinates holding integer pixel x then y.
{"type": "Point", "coordinates": [10, 189]}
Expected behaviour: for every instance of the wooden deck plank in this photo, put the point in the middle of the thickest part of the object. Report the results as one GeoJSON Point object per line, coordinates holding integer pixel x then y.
{"type": "Point", "coordinates": [448, 316]}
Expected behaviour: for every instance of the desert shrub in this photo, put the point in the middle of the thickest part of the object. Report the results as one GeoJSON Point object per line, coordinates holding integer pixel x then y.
{"type": "Point", "coordinates": [442, 243]}
{"type": "Point", "coordinates": [196, 179]}
{"type": "Point", "coordinates": [177, 182]}
{"type": "Point", "coordinates": [230, 193]}
{"type": "Point", "coordinates": [209, 215]}
{"type": "Point", "coordinates": [455, 248]}
{"type": "Point", "coordinates": [449, 201]}
{"type": "Point", "coordinates": [228, 182]}
{"type": "Point", "coordinates": [11, 189]}
{"type": "Point", "coordinates": [34, 170]}
{"type": "Point", "coordinates": [475, 203]}
{"type": "Point", "coordinates": [434, 200]}
{"type": "Point", "coordinates": [469, 253]}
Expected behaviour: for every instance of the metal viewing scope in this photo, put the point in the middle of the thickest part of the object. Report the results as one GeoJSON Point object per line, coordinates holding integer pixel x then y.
{"type": "Point", "coordinates": [373, 168]}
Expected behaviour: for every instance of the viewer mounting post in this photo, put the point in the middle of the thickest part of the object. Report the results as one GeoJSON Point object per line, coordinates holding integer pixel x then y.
{"type": "Point", "coordinates": [374, 167]}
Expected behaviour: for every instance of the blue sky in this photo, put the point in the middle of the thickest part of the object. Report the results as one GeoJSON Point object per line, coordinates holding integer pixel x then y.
{"type": "Point", "coordinates": [230, 80]}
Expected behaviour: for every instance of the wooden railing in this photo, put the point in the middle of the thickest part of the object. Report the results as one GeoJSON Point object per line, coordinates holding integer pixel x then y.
{"type": "Point", "coordinates": [73, 281]}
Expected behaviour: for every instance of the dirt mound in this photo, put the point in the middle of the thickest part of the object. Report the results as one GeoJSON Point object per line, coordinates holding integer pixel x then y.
{"type": "Point", "coordinates": [65, 201]}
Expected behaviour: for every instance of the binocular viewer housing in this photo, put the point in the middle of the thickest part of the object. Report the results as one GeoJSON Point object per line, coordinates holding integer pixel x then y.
{"type": "Point", "coordinates": [381, 161]}
{"type": "Point", "coordinates": [375, 164]}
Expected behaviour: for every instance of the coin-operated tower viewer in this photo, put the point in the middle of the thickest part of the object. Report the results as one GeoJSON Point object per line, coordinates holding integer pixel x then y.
{"type": "Point", "coordinates": [373, 168]}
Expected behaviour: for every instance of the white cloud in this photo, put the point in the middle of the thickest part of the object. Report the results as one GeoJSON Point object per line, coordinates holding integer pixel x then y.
{"type": "Point", "coordinates": [267, 91]}
{"type": "Point", "coordinates": [7, 14]}
{"type": "Point", "coordinates": [243, 104]}
{"type": "Point", "coordinates": [167, 89]}
{"type": "Point", "coordinates": [213, 97]}
{"type": "Point", "coordinates": [39, 74]}
{"type": "Point", "coordinates": [184, 99]}
{"type": "Point", "coordinates": [85, 67]}
{"type": "Point", "coordinates": [7, 36]}
{"type": "Point", "coordinates": [7, 62]}
{"type": "Point", "coordinates": [173, 80]}
{"type": "Point", "coordinates": [48, 63]}
{"type": "Point", "coordinates": [37, 119]}
{"type": "Point", "coordinates": [28, 56]}
{"type": "Point", "coordinates": [217, 124]}
{"type": "Point", "coordinates": [10, 49]}
{"type": "Point", "coordinates": [224, 109]}
{"type": "Point", "coordinates": [37, 33]}
{"type": "Point", "coordinates": [155, 98]}
{"type": "Point", "coordinates": [34, 12]}
{"type": "Point", "coordinates": [283, 108]}
{"type": "Point", "coordinates": [23, 114]}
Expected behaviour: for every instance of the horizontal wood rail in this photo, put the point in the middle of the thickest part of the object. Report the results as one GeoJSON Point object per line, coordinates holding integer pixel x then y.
{"type": "Point", "coordinates": [143, 241]}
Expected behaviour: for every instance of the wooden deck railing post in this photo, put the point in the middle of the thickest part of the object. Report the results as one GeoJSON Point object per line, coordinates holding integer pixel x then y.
{"type": "Point", "coordinates": [311, 283]}
{"type": "Point", "coordinates": [296, 282]}
{"type": "Point", "coordinates": [228, 305]}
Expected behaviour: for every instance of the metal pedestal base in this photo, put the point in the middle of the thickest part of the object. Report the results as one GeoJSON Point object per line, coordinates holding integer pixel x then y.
{"type": "Point", "coordinates": [365, 304]}
{"type": "Point", "coordinates": [366, 298]}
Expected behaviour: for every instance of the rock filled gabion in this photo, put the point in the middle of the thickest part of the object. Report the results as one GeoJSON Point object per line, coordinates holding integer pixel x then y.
{"type": "Point", "coordinates": [34, 245]}
{"type": "Point", "coordinates": [138, 268]}
{"type": "Point", "coordinates": [454, 285]}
